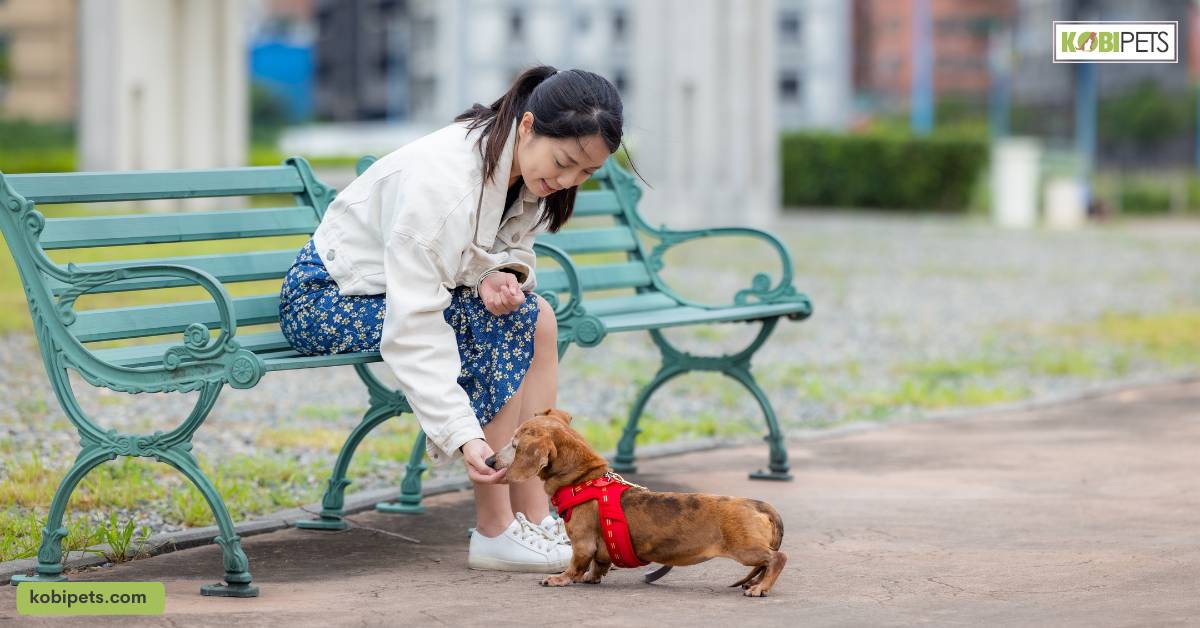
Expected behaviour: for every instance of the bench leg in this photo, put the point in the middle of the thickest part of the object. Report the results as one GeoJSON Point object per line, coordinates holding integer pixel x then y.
{"type": "Point", "coordinates": [624, 461]}
{"type": "Point", "coordinates": [777, 465]}
{"type": "Point", "coordinates": [237, 566]}
{"type": "Point", "coordinates": [335, 491]}
{"type": "Point", "coordinates": [737, 367]}
{"type": "Point", "coordinates": [49, 567]}
{"type": "Point", "coordinates": [409, 502]}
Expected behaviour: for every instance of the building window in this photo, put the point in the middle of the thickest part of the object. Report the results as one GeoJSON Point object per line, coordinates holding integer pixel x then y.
{"type": "Point", "coordinates": [620, 25]}
{"type": "Point", "coordinates": [516, 24]}
{"type": "Point", "coordinates": [789, 26]}
{"type": "Point", "coordinates": [620, 81]}
{"type": "Point", "coordinates": [789, 86]}
{"type": "Point", "coordinates": [383, 61]}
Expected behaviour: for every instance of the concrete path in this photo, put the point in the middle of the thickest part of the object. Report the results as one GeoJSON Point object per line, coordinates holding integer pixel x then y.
{"type": "Point", "coordinates": [1085, 514]}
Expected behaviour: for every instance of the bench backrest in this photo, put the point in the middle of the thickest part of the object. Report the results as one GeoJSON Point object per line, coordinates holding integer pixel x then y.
{"type": "Point", "coordinates": [275, 201]}
{"type": "Point", "coordinates": [600, 238]}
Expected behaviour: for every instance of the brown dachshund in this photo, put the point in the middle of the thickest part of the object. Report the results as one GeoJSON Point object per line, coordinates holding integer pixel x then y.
{"type": "Point", "coordinates": [667, 528]}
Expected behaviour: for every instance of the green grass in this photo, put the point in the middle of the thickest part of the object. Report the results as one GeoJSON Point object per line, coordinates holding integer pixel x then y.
{"type": "Point", "coordinates": [1172, 338]}
{"type": "Point", "coordinates": [603, 434]}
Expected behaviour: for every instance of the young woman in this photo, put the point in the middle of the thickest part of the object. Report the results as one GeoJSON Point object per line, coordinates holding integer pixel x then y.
{"type": "Point", "coordinates": [428, 258]}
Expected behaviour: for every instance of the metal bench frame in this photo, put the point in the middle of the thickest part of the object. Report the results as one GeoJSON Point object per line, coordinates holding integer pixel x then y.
{"type": "Point", "coordinates": [205, 364]}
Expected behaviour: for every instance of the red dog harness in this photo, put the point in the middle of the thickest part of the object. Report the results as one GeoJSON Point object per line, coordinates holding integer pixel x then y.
{"type": "Point", "coordinates": [606, 490]}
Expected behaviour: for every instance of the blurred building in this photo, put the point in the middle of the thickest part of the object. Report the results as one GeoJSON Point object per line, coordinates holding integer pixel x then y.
{"type": "Point", "coordinates": [282, 39]}
{"type": "Point", "coordinates": [361, 59]}
{"type": "Point", "coordinates": [39, 66]}
{"type": "Point", "coordinates": [706, 131]}
{"type": "Point", "coordinates": [1038, 82]}
{"type": "Point", "coordinates": [470, 50]}
{"type": "Point", "coordinates": [883, 41]}
{"type": "Point", "coordinates": [163, 84]}
{"type": "Point", "coordinates": [425, 61]}
{"type": "Point", "coordinates": [814, 56]}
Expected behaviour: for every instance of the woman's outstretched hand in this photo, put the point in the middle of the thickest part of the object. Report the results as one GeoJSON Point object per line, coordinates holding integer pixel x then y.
{"type": "Point", "coordinates": [501, 293]}
{"type": "Point", "coordinates": [475, 455]}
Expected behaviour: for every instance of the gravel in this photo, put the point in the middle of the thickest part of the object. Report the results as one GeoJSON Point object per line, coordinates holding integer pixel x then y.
{"type": "Point", "coordinates": [889, 291]}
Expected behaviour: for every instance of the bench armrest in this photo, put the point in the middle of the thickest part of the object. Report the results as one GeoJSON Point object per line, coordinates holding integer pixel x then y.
{"type": "Point", "coordinates": [196, 337]}
{"type": "Point", "coordinates": [561, 310]}
{"type": "Point", "coordinates": [573, 320]}
{"type": "Point", "coordinates": [760, 290]}
{"type": "Point", "coordinates": [211, 359]}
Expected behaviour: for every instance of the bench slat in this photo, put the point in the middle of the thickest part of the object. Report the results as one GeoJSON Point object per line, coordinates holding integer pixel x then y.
{"type": "Point", "coordinates": [151, 320]}
{"type": "Point", "coordinates": [591, 240]}
{"type": "Point", "coordinates": [90, 187]}
{"type": "Point", "coordinates": [597, 277]}
{"type": "Point", "coordinates": [596, 203]}
{"type": "Point", "coordinates": [151, 354]}
{"type": "Point", "coordinates": [277, 354]}
{"type": "Point", "coordinates": [644, 302]}
{"type": "Point", "coordinates": [225, 267]}
{"type": "Point", "coordinates": [686, 315]}
{"type": "Point", "coordinates": [286, 362]}
{"type": "Point", "coordinates": [69, 233]}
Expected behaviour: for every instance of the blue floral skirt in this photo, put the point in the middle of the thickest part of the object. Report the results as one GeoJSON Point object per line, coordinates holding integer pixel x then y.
{"type": "Point", "coordinates": [495, 350]}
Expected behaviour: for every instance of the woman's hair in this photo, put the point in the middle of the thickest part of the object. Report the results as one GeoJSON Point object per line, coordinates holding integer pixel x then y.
{"type": "Point", "coordinates": [570, 103]}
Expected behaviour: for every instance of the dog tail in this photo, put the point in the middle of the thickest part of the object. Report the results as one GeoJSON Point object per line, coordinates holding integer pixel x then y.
{"type": "Point", "coordinates": [776, 524]}
{"type": "Point", "coordinates": [754, 573]}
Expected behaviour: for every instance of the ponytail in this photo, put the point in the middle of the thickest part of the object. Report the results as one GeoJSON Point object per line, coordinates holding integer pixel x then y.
{"type": "Point", "coordinates": [506, 110]}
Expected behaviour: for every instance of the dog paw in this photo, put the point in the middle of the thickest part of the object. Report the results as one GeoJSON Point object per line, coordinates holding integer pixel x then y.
{"type": "Point", "coordinates": [755, 591]}
{"type": "Point", "coordinates": [560, 580]}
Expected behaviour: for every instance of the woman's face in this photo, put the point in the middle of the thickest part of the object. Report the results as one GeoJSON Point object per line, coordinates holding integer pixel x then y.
{"type": "Point", "coordinates": [549, 164]}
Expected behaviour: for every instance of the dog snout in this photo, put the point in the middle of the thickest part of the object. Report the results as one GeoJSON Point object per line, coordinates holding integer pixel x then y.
{"type": "Point", "coordinates": [491, 461]}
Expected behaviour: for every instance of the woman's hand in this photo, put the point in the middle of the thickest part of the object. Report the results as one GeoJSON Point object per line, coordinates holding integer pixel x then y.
{"type": "Point", "coordinates": [501, 293]}
{"type": "Point", "coordinates": [475, 454]}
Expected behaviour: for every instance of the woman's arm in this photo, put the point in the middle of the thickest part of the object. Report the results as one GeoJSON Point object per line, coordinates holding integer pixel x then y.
{"type": "Point", "coordinates": [420, 347]}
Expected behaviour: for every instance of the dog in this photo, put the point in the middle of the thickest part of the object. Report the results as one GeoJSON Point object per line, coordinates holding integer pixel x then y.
{"type": "Point", "coordinates": [672, 529]}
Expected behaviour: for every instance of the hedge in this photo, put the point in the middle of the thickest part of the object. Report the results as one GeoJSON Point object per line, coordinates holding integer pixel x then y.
{"type": "Point", "coordinates": [832, 170]}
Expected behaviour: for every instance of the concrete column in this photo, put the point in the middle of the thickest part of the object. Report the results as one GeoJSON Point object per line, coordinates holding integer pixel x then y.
{"type": "Point", "coordinates": [163, 85]}
{"type": "Point", "coordinates": [702, 127]}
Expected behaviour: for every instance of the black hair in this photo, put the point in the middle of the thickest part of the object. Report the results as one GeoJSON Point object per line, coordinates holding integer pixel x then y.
{"type": "Point", "coordinates": [570, 103]}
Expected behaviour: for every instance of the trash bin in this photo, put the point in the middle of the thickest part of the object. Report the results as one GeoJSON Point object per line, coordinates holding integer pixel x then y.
{"type": "Point", "coordinates": [1016, 169]}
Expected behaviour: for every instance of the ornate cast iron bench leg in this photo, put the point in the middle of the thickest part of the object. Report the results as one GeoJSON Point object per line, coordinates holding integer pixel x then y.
{"type": "Point", "coordinates": [737, 367]}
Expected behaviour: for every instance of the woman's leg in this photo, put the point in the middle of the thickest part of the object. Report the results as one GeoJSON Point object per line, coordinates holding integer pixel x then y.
{"type": "Point", "coordinates": [495, 504]}
{"type": "Point", "coordinates": [493, 510]}
{"type": "Point", "coordinates": [540, 391]}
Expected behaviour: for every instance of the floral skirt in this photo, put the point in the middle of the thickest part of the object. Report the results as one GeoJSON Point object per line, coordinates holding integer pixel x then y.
{"type": "Point", "coordinates": [495, 350]}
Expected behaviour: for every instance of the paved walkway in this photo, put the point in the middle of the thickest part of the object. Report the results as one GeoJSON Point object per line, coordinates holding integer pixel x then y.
{"type": "Point", "coordinates": [1085, 514]}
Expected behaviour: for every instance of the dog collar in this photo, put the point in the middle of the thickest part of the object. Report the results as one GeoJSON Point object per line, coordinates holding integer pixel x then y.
{"type": "Point", "coordinates": [606, 490]}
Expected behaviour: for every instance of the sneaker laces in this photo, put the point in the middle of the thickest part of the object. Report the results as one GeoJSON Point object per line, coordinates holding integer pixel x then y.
{"type": "Point", "coordinates": [557, 531]}
{"type": "Point", "coordinates": [535, 535]}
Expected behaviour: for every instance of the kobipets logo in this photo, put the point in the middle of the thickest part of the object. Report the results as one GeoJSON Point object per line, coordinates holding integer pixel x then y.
{"type": "Point", "coordinates": [1116, 42]}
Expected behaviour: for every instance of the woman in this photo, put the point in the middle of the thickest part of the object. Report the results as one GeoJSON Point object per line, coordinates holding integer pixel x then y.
{"type": "Point", "coordinates": [428, 258]}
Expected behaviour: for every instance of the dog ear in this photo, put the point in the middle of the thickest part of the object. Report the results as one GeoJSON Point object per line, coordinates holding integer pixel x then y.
{"type": "Point", "coordinates": [558, 414]}
{"type": "Point", "coordinates": [531, 459]}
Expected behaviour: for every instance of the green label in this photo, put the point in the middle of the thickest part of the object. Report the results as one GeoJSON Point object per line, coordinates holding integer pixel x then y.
{"type": "Point", "coordinates": [91, 598]}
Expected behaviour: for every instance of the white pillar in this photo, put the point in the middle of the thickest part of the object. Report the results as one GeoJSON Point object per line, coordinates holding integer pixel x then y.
{"type": "Point", "coordinates": [163, 85]}
{"type": "Point", "coordinates": [702, 127]}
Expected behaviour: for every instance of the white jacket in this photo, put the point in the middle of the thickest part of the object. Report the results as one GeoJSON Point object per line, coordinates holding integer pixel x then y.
{"type": "Point", "coordinates": [414, 227]}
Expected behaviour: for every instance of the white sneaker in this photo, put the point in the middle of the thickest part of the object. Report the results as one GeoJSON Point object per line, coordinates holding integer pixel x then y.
{"type": "Point", "coordinates": [523, 546]}
{"type": "Point", "coordinates": [556, 529]}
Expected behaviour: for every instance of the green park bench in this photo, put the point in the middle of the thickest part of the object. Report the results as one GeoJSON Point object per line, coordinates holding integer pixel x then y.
{"type": "Point", "coordinates": [206, 363]}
